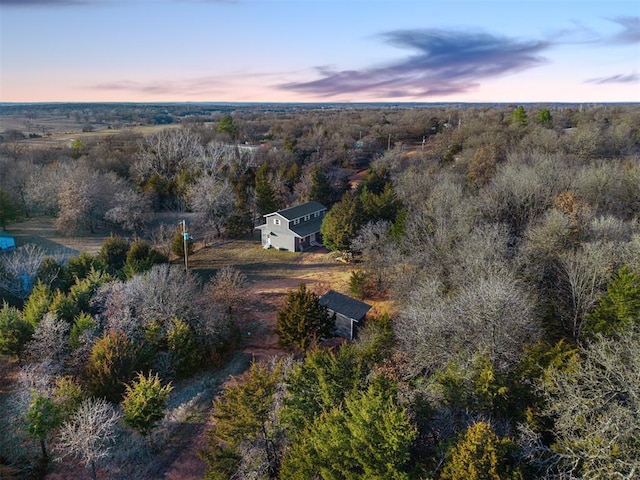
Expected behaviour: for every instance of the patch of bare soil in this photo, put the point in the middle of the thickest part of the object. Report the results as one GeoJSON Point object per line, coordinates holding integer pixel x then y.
{"type": "Point", "coordinates": [8, 374]}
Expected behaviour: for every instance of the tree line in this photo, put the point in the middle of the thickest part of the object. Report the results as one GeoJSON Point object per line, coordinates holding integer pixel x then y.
{"type": "Point", "coordinates": [507, 238]}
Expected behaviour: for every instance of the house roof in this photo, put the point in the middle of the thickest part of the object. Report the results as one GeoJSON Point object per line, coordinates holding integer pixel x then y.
{"type": "Point", "coordinates": [342, 304]}
{"type": "Point", "coordinates": [306, 228]}
{"type": "Point", "coordinates": [301, 210]}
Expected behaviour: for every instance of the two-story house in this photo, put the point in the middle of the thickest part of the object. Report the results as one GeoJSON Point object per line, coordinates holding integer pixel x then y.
{"type": "Point", "coordinates": [293, 229]}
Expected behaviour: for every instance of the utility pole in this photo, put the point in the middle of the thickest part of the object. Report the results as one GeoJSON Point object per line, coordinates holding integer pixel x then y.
{"type": "Point", "coordinates": [185, 238]}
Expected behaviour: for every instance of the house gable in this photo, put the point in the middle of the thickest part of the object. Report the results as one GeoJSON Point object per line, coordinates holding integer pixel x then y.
{"type": "Point", "coordinates": [293, 228]}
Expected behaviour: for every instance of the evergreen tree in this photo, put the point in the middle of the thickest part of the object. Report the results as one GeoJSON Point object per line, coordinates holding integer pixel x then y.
{"type": "Point", "coordinates": [113, 363]}
{"type": "Point", "coordinates": [359, 284]}
{"type": "Point", "coordinates": [9, 211]}
{"type": "Point", "coordinates": [303, 321]}
{"type": "Point", "coordinates": [380, 206]}
{"type": "Point", "coordinates": [321, 190]}
{"type": "Point", "coordinates": [182, 344]}
{"type": "Point", "coordinates": [113, 253]}
{"type": "Point", "coordinates": [481, 455]}
{"type": "Point", "coordinates": [242, 415]}
{"type": "Point", "coordinates": [37, 305]}
{"type": "Point", "coordinates": [341, 224]}
{"type": "Point", "coordinates": [376, 180]}
{"type": "Point", "coordinates": [177, 244]}
{"type": "Point", "coordinates": [619, 308]}
{"type": "Point", "coordinates": [145, 402]}
{"type": "Point", "coordinates": [266, 201]}
{"type": "Point", "coordinates": [83, 323]}
{"type": "Point", "coordinates": [519, 116]}
{"type": "Point", "coordinates": [370, 437]}
{"type": "Point", "coordinates": [141, 257]}
{"type": "Point", "coordinates": [81, 266]}
{"type": "Point", "coordinates": [544, 118]}
{"type": "Point", "coordinates": [42, 417]}
{"type": "Point", "coordinates": [227, 125]}
{"type": "Point", "coordinates": [15, 332]}
{"type": "Point", "coordinates": [320, 383]}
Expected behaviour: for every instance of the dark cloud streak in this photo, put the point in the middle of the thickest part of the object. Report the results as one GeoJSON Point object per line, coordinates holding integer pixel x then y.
{"type": "Point", "coordinates": [621, 78]}
{"type": "Point", "coordinates": [630, 34]}
{"type": "Point", "coordinates": [445, 63]}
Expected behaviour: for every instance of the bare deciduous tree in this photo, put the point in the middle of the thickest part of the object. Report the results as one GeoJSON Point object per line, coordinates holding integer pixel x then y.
{"type": "Point", "coordinates": [595, 410]}
{"type": "Point", "coordinates": [582, 276]}
{"type": "Point", "coordinates": [493, 315]}
{"type": "Point", "coordinates": [378, 252]}
{"type": "Point", "coordinates": [167, 152]}
{"type": "Point", "coordinates": [229, 286]}
{"type": "Point", "coordinates": [49, 346]}
{"type": "Point", "coordinates": [87, 436]}
{"type": "Point", "coordinates": [18, 269]}
{"type": "Point", "coordinates": [213, 200]}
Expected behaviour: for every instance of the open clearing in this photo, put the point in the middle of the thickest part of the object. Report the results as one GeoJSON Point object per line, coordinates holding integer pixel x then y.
{"type": "Point", "coordinates": [270, 275]}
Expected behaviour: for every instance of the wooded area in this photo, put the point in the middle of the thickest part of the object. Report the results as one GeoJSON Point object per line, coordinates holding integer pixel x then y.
{"type": "Point", "coordinates": [507, 238]}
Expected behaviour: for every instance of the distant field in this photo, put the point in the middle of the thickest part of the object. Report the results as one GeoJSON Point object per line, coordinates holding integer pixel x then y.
{"type": "Point", "coordinates": [65, 137]}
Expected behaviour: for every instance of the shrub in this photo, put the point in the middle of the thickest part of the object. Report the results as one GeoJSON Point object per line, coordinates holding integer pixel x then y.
{"type": "Point", "coordinates": [114, 362]}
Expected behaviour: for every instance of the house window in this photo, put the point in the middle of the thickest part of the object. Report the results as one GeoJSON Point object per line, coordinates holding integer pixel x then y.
{"type": "Point", "coordinates": [276, 221]}
{"type": "Point", "coordinates": [296, 221]}
{"type": "Point", "coordinates": [307, 217]}
{"type": "Point", "coordinates": [317, 214]}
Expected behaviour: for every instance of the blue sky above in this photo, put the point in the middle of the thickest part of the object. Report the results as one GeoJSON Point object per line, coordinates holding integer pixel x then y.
{"type": "Point", "coordinates": [320, 50]}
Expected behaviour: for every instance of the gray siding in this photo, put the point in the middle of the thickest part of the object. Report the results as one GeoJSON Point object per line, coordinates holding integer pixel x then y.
{"type": "Point", "coordinates": [276, 233]}
{"type": "Point", "coordinates": [284, 232]}
{"type": "Point", "coordinates": [343, 326]}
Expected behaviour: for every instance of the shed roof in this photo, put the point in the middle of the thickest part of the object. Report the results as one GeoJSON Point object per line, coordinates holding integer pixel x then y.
{"type": "Point", "coordinates": [345, 305]}
{"type": "Point", "coordinates": [301, 210]}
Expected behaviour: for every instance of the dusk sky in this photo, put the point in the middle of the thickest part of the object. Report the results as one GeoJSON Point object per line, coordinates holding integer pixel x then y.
{"type": "Point", "coordinates": [320, 50]}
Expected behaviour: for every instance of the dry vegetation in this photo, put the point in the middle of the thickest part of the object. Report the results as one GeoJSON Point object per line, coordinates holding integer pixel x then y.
{"type": "Point", "coordinates": [503, 241]}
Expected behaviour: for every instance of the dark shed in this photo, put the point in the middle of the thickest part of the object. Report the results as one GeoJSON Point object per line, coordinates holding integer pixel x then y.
{"type": "Point", "coordinates": [350, 313]}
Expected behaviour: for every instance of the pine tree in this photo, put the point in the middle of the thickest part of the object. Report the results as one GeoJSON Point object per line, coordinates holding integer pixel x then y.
{"type": "Point", "coordinates": [303, 321]}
